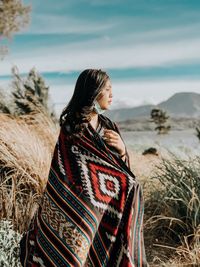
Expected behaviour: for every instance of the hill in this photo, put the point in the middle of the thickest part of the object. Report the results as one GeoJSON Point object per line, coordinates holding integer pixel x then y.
{"type": "Point", "coordinates": [180, 105]}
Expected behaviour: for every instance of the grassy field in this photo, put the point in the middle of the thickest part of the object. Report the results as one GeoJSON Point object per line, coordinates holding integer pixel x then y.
{"type": "Point", "coordinates": [172, 208]}
{"type": "Point", "coordinates": [171, 190]}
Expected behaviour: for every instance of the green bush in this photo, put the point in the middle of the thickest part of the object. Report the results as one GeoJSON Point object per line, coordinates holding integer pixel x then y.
{"type": "Point", "coordinates": [173, 208]}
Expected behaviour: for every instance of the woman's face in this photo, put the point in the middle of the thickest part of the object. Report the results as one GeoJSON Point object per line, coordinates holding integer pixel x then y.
{"type": "Point", "coordinates": [105, 99]}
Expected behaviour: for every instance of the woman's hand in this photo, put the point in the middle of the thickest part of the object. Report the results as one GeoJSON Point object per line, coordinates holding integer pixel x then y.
{"type": "Point", "coordinates": [112, 138]}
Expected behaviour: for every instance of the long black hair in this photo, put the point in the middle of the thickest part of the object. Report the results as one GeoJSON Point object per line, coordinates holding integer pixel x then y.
{"type": "Point", "coordinates": [76, 115]}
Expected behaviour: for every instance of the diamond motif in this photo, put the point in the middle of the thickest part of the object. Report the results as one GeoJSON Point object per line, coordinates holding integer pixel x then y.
{"type": "Point", "coordinates": [106, 186]}
{"type": "Point", "coordinates": [100, 194]}
{"type": "Point", "coordinates": [109, 185]}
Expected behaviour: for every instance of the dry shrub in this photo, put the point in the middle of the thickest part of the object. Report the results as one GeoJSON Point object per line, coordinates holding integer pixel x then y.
{"type": "Point", "coordinates": [172, 217]}
{"type": "Point", "coordinates": [26, 146]}
{"type": "Point", "coordinates": [14, 16]}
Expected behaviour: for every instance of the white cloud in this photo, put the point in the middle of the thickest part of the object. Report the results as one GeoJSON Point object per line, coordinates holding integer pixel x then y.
{"type": "Point", "coordinates": [57, 24]}
{"type": "Point", "coordinates": [103, 53]}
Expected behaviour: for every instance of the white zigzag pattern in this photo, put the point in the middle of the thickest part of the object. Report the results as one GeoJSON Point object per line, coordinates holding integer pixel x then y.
{"type": "Point", "coordinates": [38, 260]}
{"type": "Point", "coordinates": [60, 164]}
{"type": "Point", "coordinates": [111, 237]}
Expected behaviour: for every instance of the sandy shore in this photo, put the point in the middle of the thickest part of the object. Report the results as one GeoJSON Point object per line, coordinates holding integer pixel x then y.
{"type": "Point", "coordinates": [143, 166]}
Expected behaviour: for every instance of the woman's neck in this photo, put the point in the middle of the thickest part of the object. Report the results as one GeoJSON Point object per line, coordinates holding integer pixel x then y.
{"type": "Point", "coordinates": [94, 120]}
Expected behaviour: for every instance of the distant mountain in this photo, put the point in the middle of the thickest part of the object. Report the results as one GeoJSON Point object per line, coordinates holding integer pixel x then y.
{"type": "Point", "coordinates": [129, 113]}
{"type": "Point", "coordinates": [182, 105]}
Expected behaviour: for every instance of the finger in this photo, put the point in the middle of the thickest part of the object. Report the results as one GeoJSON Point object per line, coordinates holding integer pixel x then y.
{"type": "Point", "coordinates": [110, 131]}
{"type": "Point", "coordinates": [114, 133]}
{"type": "Point", "coordinates": [111, 135]}
{"type": "Point", "coordinates": [111, 142]}
{"type": "Point", "coordinates": [112, 139]}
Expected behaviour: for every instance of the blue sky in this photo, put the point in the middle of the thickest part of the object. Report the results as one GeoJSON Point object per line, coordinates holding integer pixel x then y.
{"type": "Point", "coordinates": [150, 48]}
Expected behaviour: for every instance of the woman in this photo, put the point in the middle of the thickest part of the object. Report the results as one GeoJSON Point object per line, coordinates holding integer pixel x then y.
{"type": "Point", "coordinates": [91, 213]}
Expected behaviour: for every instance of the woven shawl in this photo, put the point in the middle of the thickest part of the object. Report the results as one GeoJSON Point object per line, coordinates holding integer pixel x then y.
{"type": "Point", "coordinates": [91, 212]}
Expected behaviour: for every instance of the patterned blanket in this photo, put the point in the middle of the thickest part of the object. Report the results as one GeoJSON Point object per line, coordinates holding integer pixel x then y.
{"type": "Point", "coordinates": [91, 213]}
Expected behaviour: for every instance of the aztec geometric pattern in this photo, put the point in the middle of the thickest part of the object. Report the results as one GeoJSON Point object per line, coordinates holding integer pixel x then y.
{"type": "Point", "coordinates": [91, 213]}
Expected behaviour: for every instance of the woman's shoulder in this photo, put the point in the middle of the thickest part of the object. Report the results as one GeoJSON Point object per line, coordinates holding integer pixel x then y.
{"type": "Point", "coordinates": [65, 128]}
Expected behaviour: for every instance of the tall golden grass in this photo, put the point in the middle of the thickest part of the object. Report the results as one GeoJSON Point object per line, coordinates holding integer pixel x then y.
{"type": "Point", "coordinates": [172, 218]}
{"type": "Point", "coordinates": [26, 146]}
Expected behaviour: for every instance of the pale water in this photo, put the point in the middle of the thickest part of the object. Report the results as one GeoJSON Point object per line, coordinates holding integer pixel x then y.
{"type": "Point", "coordinates": [181, 143]}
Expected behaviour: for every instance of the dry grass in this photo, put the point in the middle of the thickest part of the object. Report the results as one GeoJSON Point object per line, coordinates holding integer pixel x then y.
{"type": "Point", "coordinates": [172, 208]}
{"type": "Point", "coordinates": [25, 156]}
